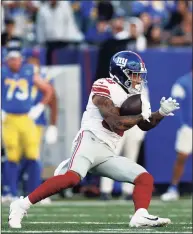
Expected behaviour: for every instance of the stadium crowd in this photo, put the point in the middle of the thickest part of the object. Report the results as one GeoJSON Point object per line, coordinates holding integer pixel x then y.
{"type": "Point", "coordinates": [60, 23]}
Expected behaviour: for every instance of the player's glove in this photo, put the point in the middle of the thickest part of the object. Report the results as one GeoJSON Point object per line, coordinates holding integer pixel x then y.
{"type": "Point", "coordinates": [146, 108]}
{"type": "Point", "coordinates": [167, 106]}
{"type": "Point", "coordinates": [51, 134]}
{"type": "Point", "coordinates": [3, 115]}
{"type": "Point", "coordinates": [36, 111]}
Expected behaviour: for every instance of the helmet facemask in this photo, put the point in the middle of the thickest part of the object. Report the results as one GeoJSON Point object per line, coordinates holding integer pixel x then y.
{"type": "Point", "coordinates": [135, 81]}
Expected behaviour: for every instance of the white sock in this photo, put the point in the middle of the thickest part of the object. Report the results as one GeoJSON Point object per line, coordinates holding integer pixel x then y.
{"type": "Point", "coordinates": [142, 211]}
{"type": "Point", "coordinates": [26, 203]}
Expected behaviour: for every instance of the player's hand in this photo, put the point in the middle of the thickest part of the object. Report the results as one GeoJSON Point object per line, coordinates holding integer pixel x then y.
{"type": "Point", "coordinates": [146, 108]}
{"type": "Point", "coordinates": [36, 111]}
{"type": "Point", "coordinates": [3, 115]}
{"type": "Point", "coordinates": [51, 134]}
{"type": "Point", "coordinates": [167, 106]}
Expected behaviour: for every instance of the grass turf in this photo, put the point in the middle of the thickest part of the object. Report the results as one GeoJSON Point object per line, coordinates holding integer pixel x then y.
{"type": "Point", "coordinates": [91, 216]}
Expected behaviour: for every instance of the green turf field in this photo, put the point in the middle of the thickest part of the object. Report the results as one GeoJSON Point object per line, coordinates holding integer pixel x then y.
{"type": "Point", "coordinates": [91, 216]}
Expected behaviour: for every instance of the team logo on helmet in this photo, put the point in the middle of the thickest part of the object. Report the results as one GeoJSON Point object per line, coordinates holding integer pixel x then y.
{"type": "Point", "coordinates": [122, 62]}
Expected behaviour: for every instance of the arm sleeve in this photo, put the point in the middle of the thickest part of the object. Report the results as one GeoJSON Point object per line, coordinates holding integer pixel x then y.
{"type": "Point", "coordinates": [101, 88]}
{"type": "Point", "coordinates": [178, 92]}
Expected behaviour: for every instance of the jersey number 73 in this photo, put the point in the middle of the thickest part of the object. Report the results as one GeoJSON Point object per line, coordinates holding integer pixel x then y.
{"type": "Point", "coordinates": [21, 85]}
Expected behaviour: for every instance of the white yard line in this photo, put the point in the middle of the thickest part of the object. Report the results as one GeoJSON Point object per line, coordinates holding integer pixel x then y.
{"type": "Point", "coordinates": [110, 203]}
{"type": "Point", "coordinates": [98, 223]}
{"type": "Point", "coordinates": [72, 209]}
{"type": "Point", "coordinates": [101, 231]}
{"type": "Point", "coordinates": [92, 215]}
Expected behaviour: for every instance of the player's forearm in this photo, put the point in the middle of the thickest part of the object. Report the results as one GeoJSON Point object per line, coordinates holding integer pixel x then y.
{"type": "Point", "coordinates": [53, 110]}
{"type": "Point", "coordinates": [155, 119]}
{"type": "Point", "coordinates": [47, 95]}
{"type": "Point", "coordinates": [123, 122]}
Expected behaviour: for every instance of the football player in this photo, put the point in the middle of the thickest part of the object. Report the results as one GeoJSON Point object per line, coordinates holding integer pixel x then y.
{"type": "Point", "coordinates": [102, 127]}
{"type": "Point", "coordinates": [18, 114]}
{"type": "Point", "coordinates": [51, 131]}
{"type": "Point", "coordinates": [182, 92]}
{"type": "Point", "coordinates": [129, 146]}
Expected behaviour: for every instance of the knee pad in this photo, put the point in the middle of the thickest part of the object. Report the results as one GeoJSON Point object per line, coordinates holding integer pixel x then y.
{"type": "Point", "coordinates": [145, 179]}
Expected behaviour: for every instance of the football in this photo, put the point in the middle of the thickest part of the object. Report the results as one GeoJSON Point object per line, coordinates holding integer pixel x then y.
{"type": "Point", "coordinates": [131, 106]}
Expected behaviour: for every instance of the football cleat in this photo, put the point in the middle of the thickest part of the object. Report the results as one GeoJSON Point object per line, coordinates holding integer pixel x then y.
{"type": "Point", "coordinates": [170, 195]}
{"type": "Point", "coordinates": [141, 218]}
{"type": "Point", "coordinates": [16, 214]}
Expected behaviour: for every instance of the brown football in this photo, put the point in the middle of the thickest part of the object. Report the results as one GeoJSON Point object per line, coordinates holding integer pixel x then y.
{"type": "Point", "coordinates": [131, 106]}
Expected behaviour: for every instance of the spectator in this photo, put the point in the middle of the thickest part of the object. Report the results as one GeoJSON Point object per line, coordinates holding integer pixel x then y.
{"type": "Point", "coordinates": [147, 23]}
{"type": "Point", "coordinates": [139, 7]}
{"type": "Point", "coordinates": [119, 24]}
{"type": "Point", "coordinates": [85, 13]}
{"type": "Point", "coordinates": [182, 34]}
{"type": "Point", "coordinates": [2, 19]}
{"type": "Point", "coordinates": [178, 15]}
{"type": "Point", "coordinates": [99, 32]}
{"type": "Point", "coordinates": [154, 36]}
{"type": "Point", "coordinates": [21, 12]}
{"type": "Point", "coordinates": [8, 37]}
{"type": "Point", "coordinates": [156, 9]}
{"type": "Point", "coordinates": [105, 10]}
{"type": "Point", "coordinates": [132, 29]}
{"type": "Point", "coordinates": [124, 5]}
{"type": "Point", "coordinates": [136, 32]}
{"type": "Point", "coordinates": [56, 26]}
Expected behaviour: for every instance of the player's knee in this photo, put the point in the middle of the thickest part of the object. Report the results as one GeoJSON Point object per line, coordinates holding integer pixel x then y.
{"type": "Point", "coordinates": [13, 159]}
{"type": "Point", "coordinates": [74, 178]}
{"type": "Point", "coordinates": [182, 157]}
{"type": "Point", "coordinates": [145, 179]}
{"type": "Point", "coordinates": [32, 154]}
{"type": "Point", "coordinates": [12, 155]}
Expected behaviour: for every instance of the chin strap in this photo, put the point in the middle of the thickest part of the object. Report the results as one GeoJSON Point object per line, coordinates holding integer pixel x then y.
{"type": "Point", "coordinates": [122, 86]}
{"type": "Point", "coordinates": [129, 90]}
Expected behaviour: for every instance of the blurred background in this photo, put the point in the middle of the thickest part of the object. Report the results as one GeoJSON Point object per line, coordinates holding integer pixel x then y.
{"type": "Point", "coordinates": [74, 41]}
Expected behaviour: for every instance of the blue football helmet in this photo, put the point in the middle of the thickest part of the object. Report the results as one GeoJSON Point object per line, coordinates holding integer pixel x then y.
{"type": "Point", "coordinates": [127, 67]}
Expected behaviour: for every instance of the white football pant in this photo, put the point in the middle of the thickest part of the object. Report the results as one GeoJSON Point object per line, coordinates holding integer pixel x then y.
{"type": "Point", "coordinates": [89, 154]}
{"type": "Point", "coordinates": [184, 140]}
{"type": "Point", "coordinates": [129, 147]}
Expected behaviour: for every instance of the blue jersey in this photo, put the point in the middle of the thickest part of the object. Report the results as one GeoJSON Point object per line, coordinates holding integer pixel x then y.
{"type": "Point", "coordinates": [182, 92]}
{"type": "Point", "coordinates": [37, 97]}
{"type": "Point", "coordinates": [16, 89]}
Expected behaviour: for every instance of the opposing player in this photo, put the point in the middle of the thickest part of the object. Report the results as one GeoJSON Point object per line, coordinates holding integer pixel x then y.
{"type": "Point", "coordinates": [18, 116]}
{"type": "Point", "coordinates": [182, 91]}
{"type": "Point", "coordinates": [94, 146]}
